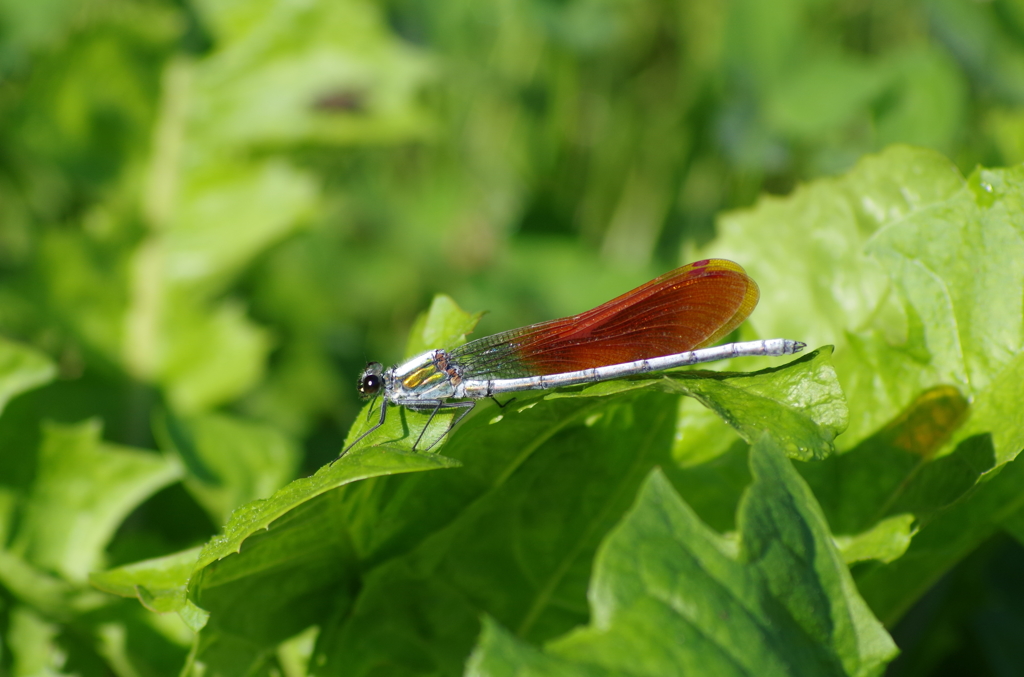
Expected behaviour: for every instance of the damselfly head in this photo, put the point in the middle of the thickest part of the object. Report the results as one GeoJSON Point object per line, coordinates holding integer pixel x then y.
{"type": "Point", "coordinates": [371, 380]}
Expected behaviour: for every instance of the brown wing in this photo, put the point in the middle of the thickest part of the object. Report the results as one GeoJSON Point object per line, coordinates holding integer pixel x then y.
{"type": "Point", "coordinates": [685, 309]}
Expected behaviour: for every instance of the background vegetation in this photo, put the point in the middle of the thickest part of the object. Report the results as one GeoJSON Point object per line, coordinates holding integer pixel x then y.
{"type": "Point", "coordinates": [213, 212]}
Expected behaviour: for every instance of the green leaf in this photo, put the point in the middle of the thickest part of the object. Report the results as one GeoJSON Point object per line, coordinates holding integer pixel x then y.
{"type": "Point", "coordinates": [297, 535]}
{"type": "Point", "coordinates": [894, 472]}
{"type": "Point", "coordinates": [916, 274]}
{"type": "Point", "coordinates": [511, 534]}
{"type": "Point", "coordinates": [911, 272]}
{"type": "Point", "coordinates": [499, 653]}
{"type": "Point", "coordinates": [300, 534]}
{"type": "Point", "coordinates": [257, 516]}
{"type": "Point", "coordinates": [799, 404]}
{"type": "Point", "coordinates": [228, 460]}
{"type": "Point", "coordinates": [83, 491]}
{"type": "Point", "coordinates": [160, 583]}
{"type": "Point", "coordinates": [887, 541]}
{"type": "Point", "coordinates": [669, 595]}
{"type": "Point", "coordinates": [21, 369]}
{"type": "Point", "coordinates": [961, 499]}
{"type": "Point", "coordinates": [942, 542]}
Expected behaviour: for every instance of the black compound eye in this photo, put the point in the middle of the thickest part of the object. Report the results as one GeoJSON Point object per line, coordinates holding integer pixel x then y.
{"type": "Point", "coordinates": [369, 385]}
{"type": "Point", "coordinates": [371, 381]}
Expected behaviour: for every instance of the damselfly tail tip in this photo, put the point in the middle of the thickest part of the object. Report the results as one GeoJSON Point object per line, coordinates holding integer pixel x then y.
{"type": "Point", "coordinates": [777, 347]}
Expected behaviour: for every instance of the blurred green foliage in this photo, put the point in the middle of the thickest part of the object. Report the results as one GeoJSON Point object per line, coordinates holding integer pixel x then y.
{"type": "Point", "coordinates": [213, 212]}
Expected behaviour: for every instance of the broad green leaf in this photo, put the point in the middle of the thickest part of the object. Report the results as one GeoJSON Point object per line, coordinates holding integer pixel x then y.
{"type": "Point", "coordinates": [885, 542]}
{"type": "Point", "coordinates": [894, 472]}
{"type": "Point", "coordinates": [298, 536]}
{"type": "Point", "coordinates": [671, 596]}
{"type": "Point", "coordinates": [512, 533]}
{"type": "Point", "coordinates": [942, 542]}
{"type": "Point", "coordinates": [956, 265]}
{"type": "Point", "coordinates": [255, 517]}
{"type": "Point", "coordinates": [799, 404]}
{"type": "Point", "coordinates": [909, 269]}
{"type": "Point", "coordinates": [960, 499]}
{"type": "Point", "coordinates": [21, 369]}
{"type": "Point", "coordinates": [159, 584]}
{"type": "Point", "coordinates": [916, 273]}
{"type": "Point", "coordinates": [83, 491]}
{"type": "Point", "coordinates": [228, 460]}
{"type": "Point", "coordinates": [499, 653]}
